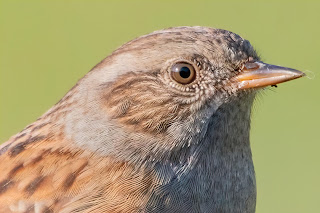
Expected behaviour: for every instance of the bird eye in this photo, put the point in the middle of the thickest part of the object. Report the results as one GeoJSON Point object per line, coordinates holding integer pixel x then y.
{"type": "Point", "coordinates": [183, 73]}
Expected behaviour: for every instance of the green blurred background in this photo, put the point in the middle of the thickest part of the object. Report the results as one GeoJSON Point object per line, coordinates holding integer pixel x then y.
{"type": "Point", "coordinates": [46, 46]}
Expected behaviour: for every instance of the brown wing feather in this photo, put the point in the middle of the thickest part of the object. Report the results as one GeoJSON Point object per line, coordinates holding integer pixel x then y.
{"type": "Point", "coordinates": [46, 174]}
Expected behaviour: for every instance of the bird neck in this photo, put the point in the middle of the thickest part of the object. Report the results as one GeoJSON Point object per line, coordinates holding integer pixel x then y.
{"type": "Point", "coordinates": [217, 169]}
{"type": "Point", "coordinates": [229, 126]}
{"type": "Point", "coordinates": [225, 136]}
{"type": "Point", "coordinates": [219, 166]}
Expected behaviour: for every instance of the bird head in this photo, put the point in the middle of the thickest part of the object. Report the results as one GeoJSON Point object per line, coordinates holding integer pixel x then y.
{"type": "Point", "coordinates": [161, 92]}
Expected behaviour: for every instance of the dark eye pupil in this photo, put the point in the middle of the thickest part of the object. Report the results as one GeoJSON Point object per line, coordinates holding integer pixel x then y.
{"type": "Point", "coordinates": [184, 72]}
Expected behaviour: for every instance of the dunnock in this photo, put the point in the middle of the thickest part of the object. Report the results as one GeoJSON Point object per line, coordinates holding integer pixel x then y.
{"type": "Point", "coordinates": [160, 125]}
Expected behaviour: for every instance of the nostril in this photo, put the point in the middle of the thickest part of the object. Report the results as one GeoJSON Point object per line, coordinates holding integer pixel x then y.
{"type": "Point", "coordinates": [251, 66]}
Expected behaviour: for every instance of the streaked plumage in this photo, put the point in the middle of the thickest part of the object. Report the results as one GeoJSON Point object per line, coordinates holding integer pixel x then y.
{"type": "Point", "coordinates": [129, 137]}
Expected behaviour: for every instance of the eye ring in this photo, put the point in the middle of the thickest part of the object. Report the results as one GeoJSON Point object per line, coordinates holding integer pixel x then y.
{"type": "Point", "coordinates": [183, 72]}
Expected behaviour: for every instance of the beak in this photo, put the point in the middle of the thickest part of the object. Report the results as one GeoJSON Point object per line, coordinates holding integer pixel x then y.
{"type": "Point", "coordinates": [258, 74]}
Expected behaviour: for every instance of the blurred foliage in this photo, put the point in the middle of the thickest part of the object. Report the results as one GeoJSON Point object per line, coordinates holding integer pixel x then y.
{"type": "Point", "coordinates": [46, 46]}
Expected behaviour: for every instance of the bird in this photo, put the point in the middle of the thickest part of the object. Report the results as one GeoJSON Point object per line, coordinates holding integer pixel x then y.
{"type": "Point", "coordinates": [160, 125]}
